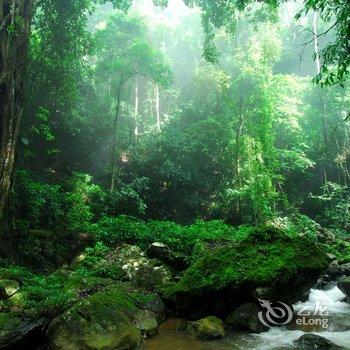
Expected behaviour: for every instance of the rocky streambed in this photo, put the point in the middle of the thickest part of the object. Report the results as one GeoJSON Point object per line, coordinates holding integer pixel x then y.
{"type": "Point", "coordinates": [129, 297]}
{"type": "Point", "coordinates": [336, 334]}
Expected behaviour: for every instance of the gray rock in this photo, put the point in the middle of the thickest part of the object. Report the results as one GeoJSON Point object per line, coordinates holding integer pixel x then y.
{"type": "Point", "coordinates": [162, 252]}
{"type": "Point", "coordinates": [155, 304]}
{"type": "Point", "coordinates": [245, 318]}
{"type": "Point", "coordinates": [146, 322]}
{"type": "Point", "coordinates": [313, 341]}
{"type": "Point", "coordinates": [14, 328]}
{"type": "Point", "coordinates": [344, 286]}
{"type": "Point", "coordinates": [325, 236]}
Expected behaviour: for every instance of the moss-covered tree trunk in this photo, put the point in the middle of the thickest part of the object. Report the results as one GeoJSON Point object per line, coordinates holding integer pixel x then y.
{"type": "Point", "coordinates": [15, 18]}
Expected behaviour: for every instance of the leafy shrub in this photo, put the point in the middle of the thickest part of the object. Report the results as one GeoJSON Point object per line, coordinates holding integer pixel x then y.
{"type": "Point", "coordinates": [125, 201]}
{"type": "Point", "coordinates": [110, 231]}
{"type": "Point", "coordinates": [36, 202]}
{"type": "Point", "coordinates": [82, 197]}
{"type": "Point", "coordinates": [335, 206]}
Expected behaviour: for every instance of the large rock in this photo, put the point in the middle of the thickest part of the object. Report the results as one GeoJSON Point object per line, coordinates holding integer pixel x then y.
{"type": "Point", "coordinates": [14, 328]}
{"type": "Point", "coordinates": [209, 328]}
{"type": "Point", "coordinates": [245, 318]}
{"type": "Point", "coordinates": [336, 270]}
{"type": "Point", "coordinates": [325, 236]}
{"type": "Point", "coordinates": [313, 341]}
{"type": "Point", "coordinates": [176, 260]}
{"type": "Point", "coordinates": [154, 303]}
{"type": "Point", "coordinates": [8, 288]}
{"type": "Point", "coordinates": [129, 263]}
{"type": "Point", "coordinates": [109, 319]}
{"type": "Point", "coordinates": [146, 322]}
{"type": "Point", "coordinates": [344, 286]}
{"type": "Point", "coordinates": [228, 273]}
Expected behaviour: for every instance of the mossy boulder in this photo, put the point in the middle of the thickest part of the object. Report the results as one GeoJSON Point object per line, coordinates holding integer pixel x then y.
{"type": "Point", "coordinates": [125, 262]}
{"type": "Point", "coordinates": [283, 265]}
{"type": "Point", "coordinates": [108, 319]}
{"type": "Point", "coordinates": [208, 328]}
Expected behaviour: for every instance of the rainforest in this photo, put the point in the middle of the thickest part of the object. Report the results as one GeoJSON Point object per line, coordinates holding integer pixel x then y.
{"type": "Point", "coordinates": [174, 175]}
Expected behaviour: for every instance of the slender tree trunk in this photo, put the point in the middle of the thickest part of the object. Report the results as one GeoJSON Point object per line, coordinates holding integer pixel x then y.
{"type": "Point", "coordinates": [157, 100]}
{"type": "Point", "coordinates": [239, 132]}
{"type": "Point", "coordinates": [115, 140]}
{"type": "Point", "coordinates": [15, 19]}
{"type": "Point", "coordinates": [318, 71]}
{"type": "Point", "coordinates": [136, 112]}
{"type": "Point", "coordinates": [316, 45]}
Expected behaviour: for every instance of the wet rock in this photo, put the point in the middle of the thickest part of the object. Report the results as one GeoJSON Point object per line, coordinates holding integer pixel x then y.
{"type": "Point", "coordinates": [313, 341]}
{"type": "Point", "coordinates": [14, 328]}
{"type": "Point", "coordinates": [229, 273]}
{"type": "Point", "coordinates": [208, 328]}
{"type": "Point", "coordinates": [146, 322]}
{"type": "Point", "coordinates": [245, 318]}
{"type": "Point", "coordinates": [176, 260]}
{"type": "Point", "coordinates": [334, 270]}
{"type": "Point", "coordinates": [344, 286]}
{"type": "Point", "coordinates": [107, 320]}
{"type": "Point", "coordinates": [155, 304]}
{"type": "Point", "coordinates": [325, 282]}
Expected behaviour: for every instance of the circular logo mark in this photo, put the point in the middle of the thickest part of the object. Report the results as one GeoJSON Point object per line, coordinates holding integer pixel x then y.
{"type": "Point", "coordinates": [275, 313]}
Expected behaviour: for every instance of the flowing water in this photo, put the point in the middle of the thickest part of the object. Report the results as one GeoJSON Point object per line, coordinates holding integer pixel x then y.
{"type": "Point", "coordinates": [329, 304]}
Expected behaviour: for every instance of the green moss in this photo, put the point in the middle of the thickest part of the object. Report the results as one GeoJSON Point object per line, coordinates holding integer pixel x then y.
{"type": "Point", "coordinates": [341, 249]}
{"type": "Point", "coordinates": [210, 327]}
{"type": "Point", "coordinates": [267, 256]}
{"type": "Point", "coordinates": [47, 295]}
{"type": "Point", "coordinates": [101, 321]}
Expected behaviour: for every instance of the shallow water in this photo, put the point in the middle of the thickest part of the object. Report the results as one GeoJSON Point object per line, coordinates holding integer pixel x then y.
{"type": "Point", "coordinates": [338, 331]}
{"type": "Point", "coordinates": [274, 339]}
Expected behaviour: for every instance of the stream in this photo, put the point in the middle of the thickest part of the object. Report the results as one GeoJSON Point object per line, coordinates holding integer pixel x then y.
{"type": "Point", "coordinates": [329, 304]}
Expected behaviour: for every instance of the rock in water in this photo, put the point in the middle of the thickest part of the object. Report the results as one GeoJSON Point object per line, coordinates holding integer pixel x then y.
{"type": "Point", "coordinates": [208, 328]}
{"type": "Point", "coordinates": [344, 286]}
{"type": "Point", "coordinates": [146, 322]}
{"type": "Point", "coordinates": [107, 320]}
{"type": "Point", "coordinates": [230, 272]}
{"type": "Point", "coordinates": [313, 341]}
{"type": "Point", "coordinates": [246, 318]}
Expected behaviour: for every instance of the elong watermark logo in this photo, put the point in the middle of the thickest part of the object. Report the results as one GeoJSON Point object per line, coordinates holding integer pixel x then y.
{"type": "Point", "coordinates": [278, 313]}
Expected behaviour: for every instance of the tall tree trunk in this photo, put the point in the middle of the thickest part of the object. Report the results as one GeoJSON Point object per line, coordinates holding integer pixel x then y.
{"type": "Point", "coordinates": [115, 140]}
{"type": "Point", "coordinates": [239, 132]}
{"type": "Point", "coordinates": [15, 19]}
{"type": "Point", "coordinates": [157, 100]}
{"type": "Point", "coordinates": [136, 112]}
{"type": "Point", "coordinates": [318, 71]}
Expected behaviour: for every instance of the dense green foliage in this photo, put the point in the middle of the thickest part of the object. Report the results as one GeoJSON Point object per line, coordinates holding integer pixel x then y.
{"type": "Point", "coordinates": [244, 141]}
{"type": "Point", "coordinates": [191, 152]}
